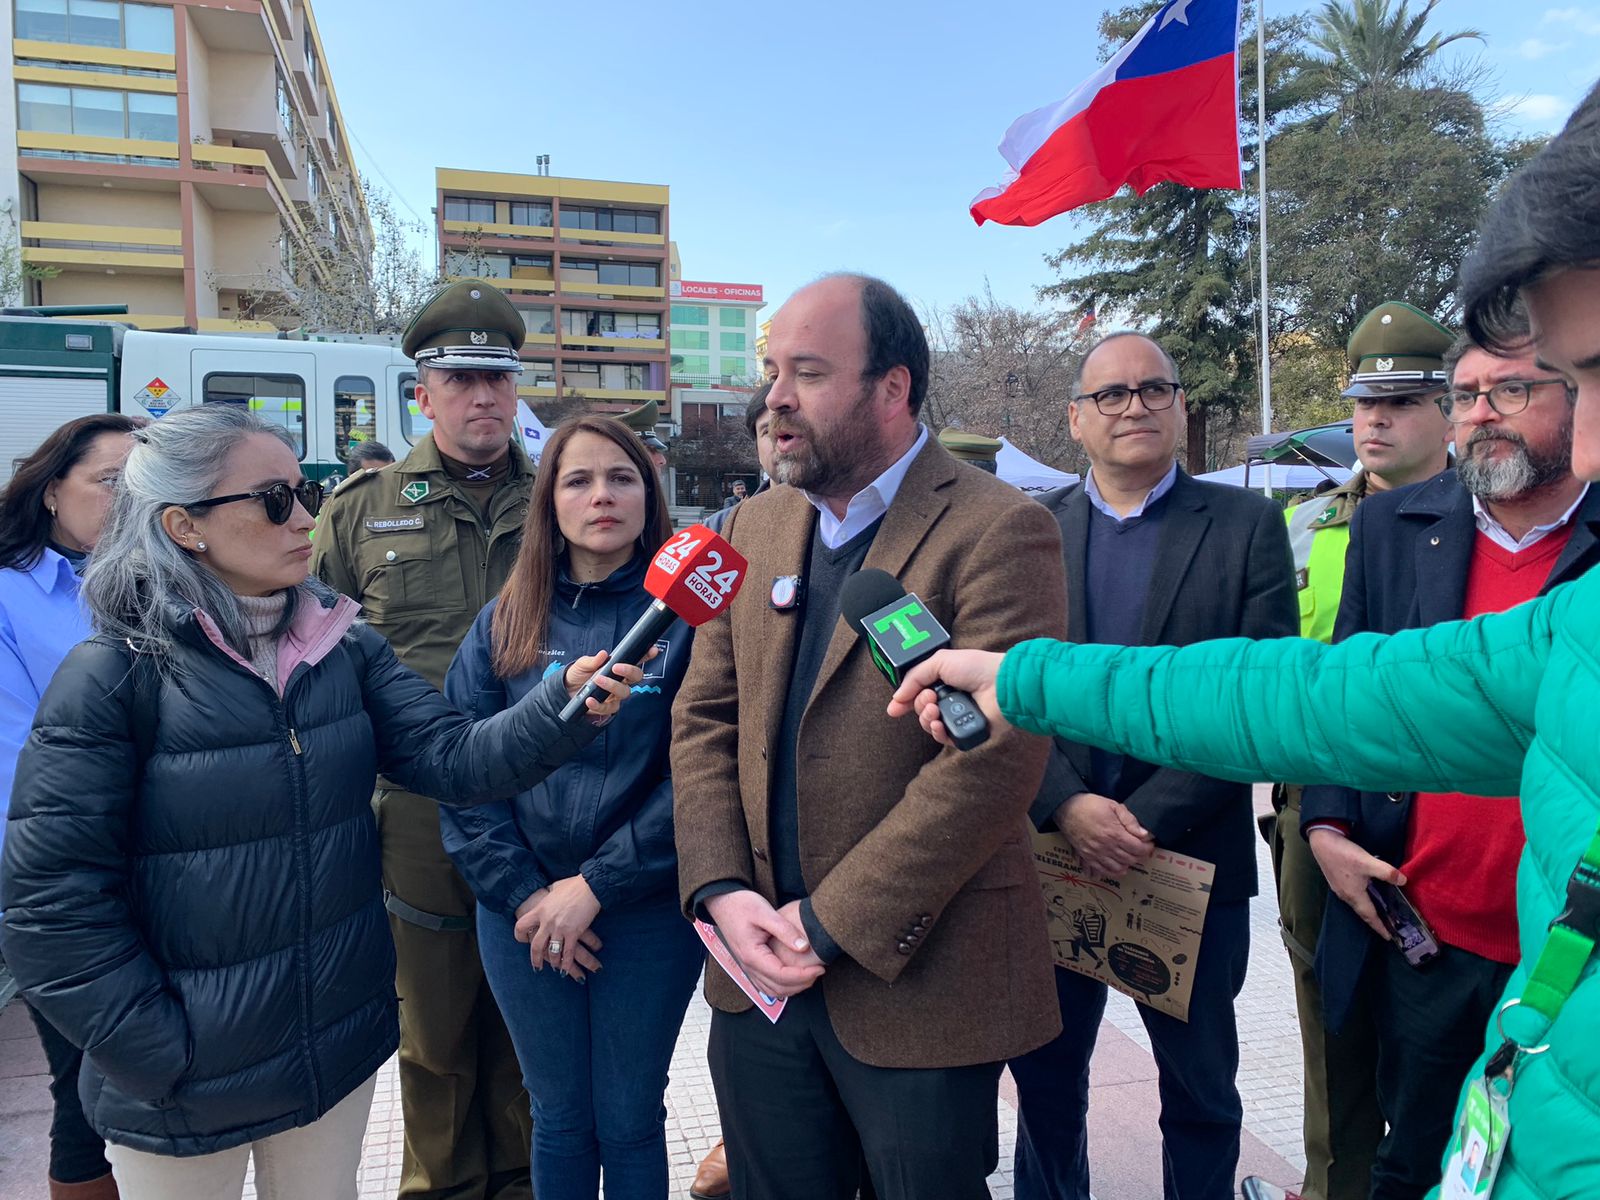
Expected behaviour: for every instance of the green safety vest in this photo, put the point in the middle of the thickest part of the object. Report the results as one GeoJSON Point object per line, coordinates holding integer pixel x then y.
{"type": "Point", "coordinates": [1318, 566]}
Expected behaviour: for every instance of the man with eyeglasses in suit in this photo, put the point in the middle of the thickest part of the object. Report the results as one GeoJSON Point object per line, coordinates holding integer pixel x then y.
{"type": "Point", "coordinates": [1153, 557]}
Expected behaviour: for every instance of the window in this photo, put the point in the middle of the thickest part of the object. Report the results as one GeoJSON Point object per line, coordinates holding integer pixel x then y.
{"type": "Point", "coordinates": [691, 339]}
{"type": "Point", "coordinates": [608, 220]}
{"type": "Point", "coordinates": [639, 325]}
{"type": "Point", "coordinates": [285, 106]}
{"type": "Point", "coordinates": [96, 23]}
{"type": "Point", "coordinates": [355, 413]}
{"type": "Point", "coordinates": [94, 112]}
{"type": "Point", "coordinates": [626, 274]}
{"type": "Point", "coordinates": [731, 369]}
{"type": "Point", "coordinates": [468, 208]}
{"type": "Point", "coordinates": [582, 376]}
{"type": "Point", "coordinates": [313, 180]}
{"type": "Point", "coordinates": [700, 420]}
{"type": "Point", "coordinates": [44, 109]}
{"type": "Point", "coordinates": [477, 266]}
{"type": "Point", "coordinates": [623, 376]}
{"type": "Point", "coordinates": [311, 61]}
{"type": "Point", "coordinates": [280, 399]}
{"type": "Point", "coordinates": [151, 118]}
{"type": "Point", "coordinates": [691, 314]}
{"type": "Point", "coordinates": [691, 364]}
{"type": "Point", "coordinates": [733, 318]}
{"type": "Point", "coordinates": [530, 212]}
{"type": "Point", "coordinates": [413, 424]}
{"type": "Point", "coordinates": [539, 373]}
{"type": "Point", "coordinates": [733, 341]}
{"type": "Point", "coordinates": [538, 320]}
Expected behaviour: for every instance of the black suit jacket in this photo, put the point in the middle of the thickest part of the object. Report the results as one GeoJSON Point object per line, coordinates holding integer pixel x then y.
{"type": "Point", "coordinates": [1223, 569]}
{"type": "Point", "coordinates": [1410, 551]}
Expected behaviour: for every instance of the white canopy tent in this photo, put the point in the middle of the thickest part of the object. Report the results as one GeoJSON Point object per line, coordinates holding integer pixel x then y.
{"type": "Point", "coordinates": [1285, 478]}
{"type": "Point", "coordinates": [1021, 471]}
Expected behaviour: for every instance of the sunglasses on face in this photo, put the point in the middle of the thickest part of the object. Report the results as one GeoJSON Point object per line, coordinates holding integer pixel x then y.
{"type": "Point", "coordinates": [278, 499]}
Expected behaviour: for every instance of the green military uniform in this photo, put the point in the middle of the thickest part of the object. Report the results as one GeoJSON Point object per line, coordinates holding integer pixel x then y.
{"type": "Point", "coordinates": [971, 448]}
{"type": "Point", "coordinates": [423, 554]}
{"type": "Point", "coordinates": [1395, 350]}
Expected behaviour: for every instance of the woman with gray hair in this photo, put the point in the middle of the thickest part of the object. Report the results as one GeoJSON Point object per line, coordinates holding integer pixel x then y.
{"type": "Point", "coordinates": [190, 881]}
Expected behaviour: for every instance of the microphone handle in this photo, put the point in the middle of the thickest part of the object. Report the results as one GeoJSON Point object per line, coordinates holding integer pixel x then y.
{"type": "Point", "coordinates": [963, 719]}
{"type": "Point", "coordinates": [635, 644]}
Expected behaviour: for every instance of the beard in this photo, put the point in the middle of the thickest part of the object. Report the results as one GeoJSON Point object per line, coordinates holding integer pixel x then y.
{"type": "Point", "coordinates": [838, 461]}
{"type": "Point", "coordinates": [1522, 472]}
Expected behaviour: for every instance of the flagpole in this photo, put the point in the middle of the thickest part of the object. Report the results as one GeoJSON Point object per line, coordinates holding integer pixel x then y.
{"type": "Point", "coordinates": [1261, 182]}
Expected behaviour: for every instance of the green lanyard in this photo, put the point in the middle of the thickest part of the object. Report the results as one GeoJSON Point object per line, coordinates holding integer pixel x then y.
{"type": "Point", "coordinates": [1566, 951]}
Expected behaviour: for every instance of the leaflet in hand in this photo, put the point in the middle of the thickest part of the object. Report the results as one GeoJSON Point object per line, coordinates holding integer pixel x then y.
{"type": "Point", "coordinates": [771, 1006]}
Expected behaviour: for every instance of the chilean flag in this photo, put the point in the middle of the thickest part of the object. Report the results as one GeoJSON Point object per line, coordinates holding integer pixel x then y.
{"type": "Point", "coordinates": [1166, 108]}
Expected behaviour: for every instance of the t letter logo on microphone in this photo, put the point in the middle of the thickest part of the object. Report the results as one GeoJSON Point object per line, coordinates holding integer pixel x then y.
{"type": "Point", "coordinates": [898, 635]}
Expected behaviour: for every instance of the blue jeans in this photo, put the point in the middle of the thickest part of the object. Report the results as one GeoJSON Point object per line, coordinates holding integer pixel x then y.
{"type": "Point", "coordinates": [594, 1056]}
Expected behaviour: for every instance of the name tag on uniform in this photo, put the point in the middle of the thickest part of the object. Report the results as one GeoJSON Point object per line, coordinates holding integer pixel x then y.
{"type": "Point", "coordinates": [1302, 579]}
{"type": "Point", "coordinates": [392, 524]}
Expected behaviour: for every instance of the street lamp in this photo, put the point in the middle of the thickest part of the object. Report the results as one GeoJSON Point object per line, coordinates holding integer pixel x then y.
{"type": "Point", "coordinates": [1011, 390]}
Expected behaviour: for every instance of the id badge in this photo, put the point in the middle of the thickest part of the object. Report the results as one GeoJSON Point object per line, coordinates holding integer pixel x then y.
{"type": "Point", "coordinates": [1480, 1141]}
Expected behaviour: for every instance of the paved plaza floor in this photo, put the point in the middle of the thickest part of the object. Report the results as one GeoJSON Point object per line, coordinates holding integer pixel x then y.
{"type": "Point", "coordinates": [1124, 1142]}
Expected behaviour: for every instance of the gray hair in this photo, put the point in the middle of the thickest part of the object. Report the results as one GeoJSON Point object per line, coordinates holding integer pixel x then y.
{"type": "Point", "coordinates": [136, 570]}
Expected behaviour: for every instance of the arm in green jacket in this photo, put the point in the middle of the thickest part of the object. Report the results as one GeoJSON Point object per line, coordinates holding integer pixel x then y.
{"type": "Point", "coordinates": [1447, 708]}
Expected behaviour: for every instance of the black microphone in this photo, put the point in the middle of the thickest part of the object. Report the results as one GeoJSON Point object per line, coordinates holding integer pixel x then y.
{"type": "Point", "coordinates": [900, 632]}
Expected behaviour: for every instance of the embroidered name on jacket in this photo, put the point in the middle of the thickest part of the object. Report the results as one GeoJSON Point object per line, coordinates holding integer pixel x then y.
{"type": "Point", "coordinates": [390, 524]}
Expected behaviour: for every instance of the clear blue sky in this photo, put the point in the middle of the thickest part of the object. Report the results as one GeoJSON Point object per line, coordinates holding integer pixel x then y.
{"type": "Point", "coordinates": [852, 137]}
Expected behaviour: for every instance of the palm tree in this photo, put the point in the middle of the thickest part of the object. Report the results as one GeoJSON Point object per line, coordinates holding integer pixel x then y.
{"type": "Point", "coordinates": [1367, 46]}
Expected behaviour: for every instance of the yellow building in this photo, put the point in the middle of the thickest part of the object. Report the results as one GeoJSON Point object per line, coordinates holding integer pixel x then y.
{"type": "Point", "coordinates": [187, 159]}
{"type": "Point", "coordinates": [585, 260]}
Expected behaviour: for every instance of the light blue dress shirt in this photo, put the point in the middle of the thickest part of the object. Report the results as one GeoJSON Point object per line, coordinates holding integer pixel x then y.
{"type": "Point", "coordinates": [40, 620]}
{"type": "Point", "coordinates": [1092, 490]}
{"type": "Point", "coordinates": [870, 503]}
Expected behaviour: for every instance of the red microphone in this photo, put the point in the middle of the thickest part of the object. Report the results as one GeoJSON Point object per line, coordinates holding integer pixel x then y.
{"type": "Point", "coordinates": [692, 577]}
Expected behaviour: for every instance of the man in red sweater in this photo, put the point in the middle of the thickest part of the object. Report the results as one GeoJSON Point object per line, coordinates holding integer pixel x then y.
{"type": "Point", "coordinates": [1510, 522]}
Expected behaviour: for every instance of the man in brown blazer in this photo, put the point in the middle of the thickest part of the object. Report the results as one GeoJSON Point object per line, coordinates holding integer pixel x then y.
{"type": "Point", "coordinates": [884, 885]}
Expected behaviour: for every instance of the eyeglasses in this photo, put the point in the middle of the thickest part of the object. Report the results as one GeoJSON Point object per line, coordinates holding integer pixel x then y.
{"type": "Point", "coordinates": [1508, 398]}
{"type": "Point", "coordinates": [278, 499]}
{"type": "Point", "coordinates": [1157, 397]}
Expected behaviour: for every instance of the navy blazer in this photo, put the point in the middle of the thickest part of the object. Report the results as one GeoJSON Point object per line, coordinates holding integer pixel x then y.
{"type": "Point", "coordinates": [1223, 569]}
{"type": "Point", "coordinates": [1410, 552]}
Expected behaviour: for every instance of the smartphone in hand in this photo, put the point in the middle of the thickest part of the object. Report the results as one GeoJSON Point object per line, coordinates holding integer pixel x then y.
{"type": "Point", "coordinates": [1410, 932]}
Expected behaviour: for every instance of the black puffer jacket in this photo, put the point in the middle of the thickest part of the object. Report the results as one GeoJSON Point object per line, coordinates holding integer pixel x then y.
{"type": "Point", "coordinates": [190, 877]}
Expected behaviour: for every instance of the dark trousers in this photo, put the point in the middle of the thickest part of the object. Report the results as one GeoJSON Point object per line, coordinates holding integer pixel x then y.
{"type": "Point", "coordinates": [77, 1153]}
{"type": "Point", "coordinates": [1201, 1114]}
{"type": "Point", "coordinates": [1343, 1123]}
{"type": "Point", "coordinates": [595, 1054]}
{"type": "Point", "coordinates": [801, 1115]}
{"type": "Point", "coordinates": [1430, 1023]}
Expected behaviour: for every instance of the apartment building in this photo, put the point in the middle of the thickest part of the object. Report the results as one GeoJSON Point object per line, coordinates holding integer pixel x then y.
{"type": "Point", "coordinates": [184, 157]}
{"type": "Point", "coordinates": [585, 261]}
{"type": "Point", "coordinates": [715, 368]}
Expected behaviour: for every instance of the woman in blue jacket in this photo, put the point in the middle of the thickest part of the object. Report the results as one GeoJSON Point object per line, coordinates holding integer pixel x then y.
{"type": "Point", "coordinates": [576, 879]}
{"type": "Point", "coordinates": [50, 518]}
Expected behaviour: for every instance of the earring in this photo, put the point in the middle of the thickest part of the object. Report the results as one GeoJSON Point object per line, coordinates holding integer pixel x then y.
{"type": "Point", "coordinates": [200, 546]}
{"type": "Point", "coordinates": [52, 509]}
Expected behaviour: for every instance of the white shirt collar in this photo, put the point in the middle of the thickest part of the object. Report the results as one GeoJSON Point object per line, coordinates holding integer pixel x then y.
{"type": "Point", "coordinates": [1498, 534]}
{"type": "Point", "coordinates": [870, 503]}
{"type": "Point", "coordinates": [1092, 490]}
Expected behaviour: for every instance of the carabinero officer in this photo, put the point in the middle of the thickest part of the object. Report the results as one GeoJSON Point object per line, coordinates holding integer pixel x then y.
{"type": "Point", "coordinates": [423, 545]}
{"type": "Point", "coordinates": [1396, 359]}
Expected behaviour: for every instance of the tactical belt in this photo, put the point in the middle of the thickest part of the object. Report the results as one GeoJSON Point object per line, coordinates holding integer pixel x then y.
{"type": "Point", "coordinates": [427, 920]}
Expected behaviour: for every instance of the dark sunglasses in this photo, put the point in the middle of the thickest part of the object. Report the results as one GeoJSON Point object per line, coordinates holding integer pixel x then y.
{"type": "Point", "coordinates": [278, 500]}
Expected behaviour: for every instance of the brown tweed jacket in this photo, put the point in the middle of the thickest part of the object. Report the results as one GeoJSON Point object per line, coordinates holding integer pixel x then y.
{"type": "Point", "coordinates": [893, 829]}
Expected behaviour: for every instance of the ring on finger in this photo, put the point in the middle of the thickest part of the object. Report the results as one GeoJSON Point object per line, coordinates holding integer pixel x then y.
{"type": "Point", "coordinates": [553, 950]}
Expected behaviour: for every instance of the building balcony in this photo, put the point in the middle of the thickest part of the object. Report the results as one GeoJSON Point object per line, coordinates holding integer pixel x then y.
{"type": "Point", "coordinates": [519, 284]}
{"type": "Point", "coordinates": [97, 56]}
{"type": "Point", "coordinates": [501, 230]}
{"type": "Point", "coordinates": [604, 290]}
{"type": "Point", "coordinates": [623, 344]}
{"type": "Point", "coordinates": [39, 148]}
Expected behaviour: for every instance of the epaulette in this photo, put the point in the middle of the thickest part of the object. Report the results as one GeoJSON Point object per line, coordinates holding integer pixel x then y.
{"type": "Point", "coordinates": [360, 475]}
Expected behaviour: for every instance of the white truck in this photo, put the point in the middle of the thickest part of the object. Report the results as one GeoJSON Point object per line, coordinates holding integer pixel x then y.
{"type": "Point", "coordinates": [328, 394]}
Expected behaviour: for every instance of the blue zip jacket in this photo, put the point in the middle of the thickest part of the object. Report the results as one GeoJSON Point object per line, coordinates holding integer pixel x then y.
{"type": "Point", "coordinates": [607, 813]}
